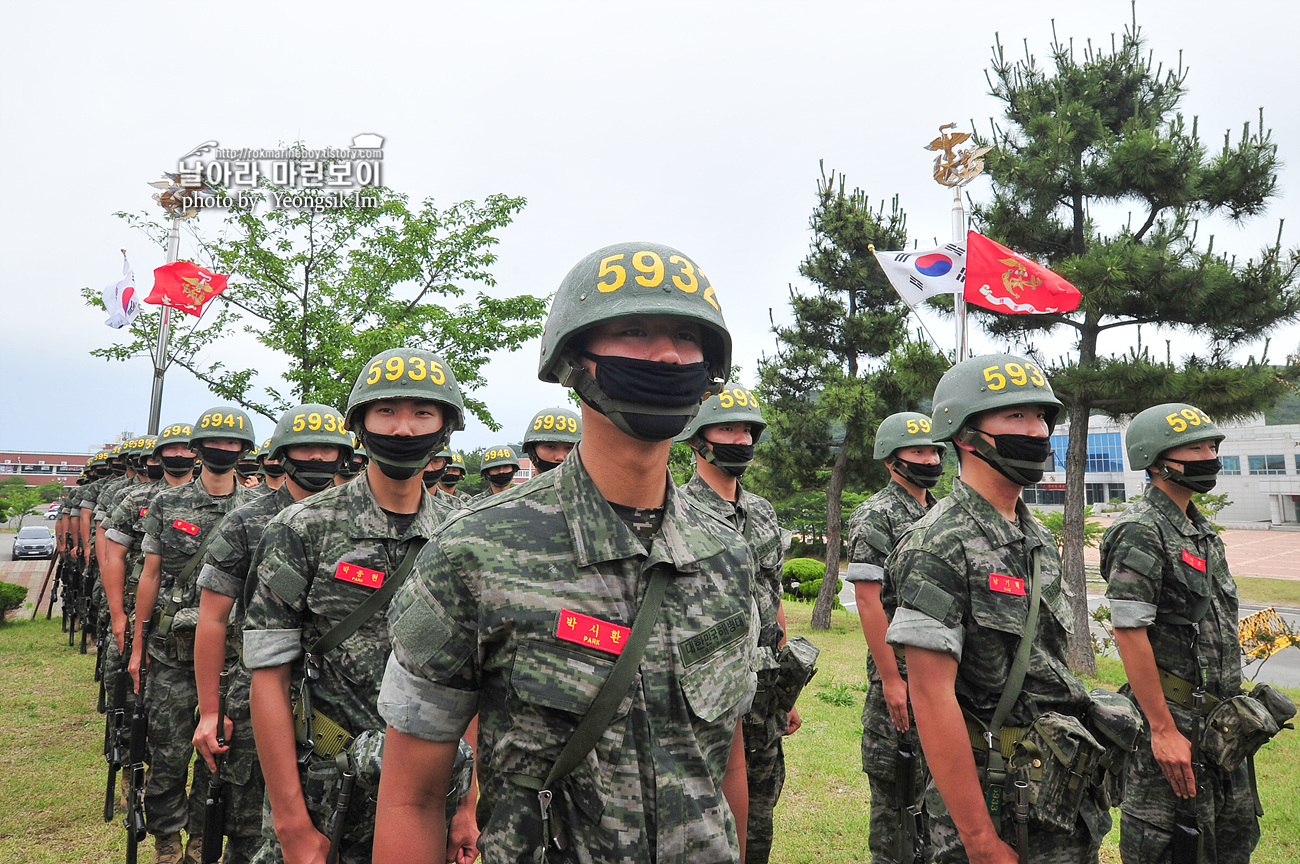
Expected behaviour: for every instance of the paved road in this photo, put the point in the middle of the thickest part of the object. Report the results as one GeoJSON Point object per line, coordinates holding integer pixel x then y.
{"type": "Point", "coordinates": [1282, 668]}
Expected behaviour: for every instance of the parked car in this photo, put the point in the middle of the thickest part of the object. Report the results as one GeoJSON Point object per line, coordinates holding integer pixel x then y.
{"type": "Point", "coordinates": [53, 511]}
{"type": "Point", "coordinates": [34, 541]}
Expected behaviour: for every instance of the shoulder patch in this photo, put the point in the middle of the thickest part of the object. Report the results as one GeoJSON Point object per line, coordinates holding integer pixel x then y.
{"type": "Point", "coordinates": [287, 583]}
{"type": "Point", "coordinates": [220, 550]}
{"type": "Point", "coordinates": [929, 599]}
{"type": "Point", "coordinates": [877, 540]}
{"type": "Point", "coordinates": [1140, 561]}
{"type": "Point", "coordinates": [421, 631]}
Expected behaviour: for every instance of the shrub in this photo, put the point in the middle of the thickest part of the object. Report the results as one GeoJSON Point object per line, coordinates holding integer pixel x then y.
{"type": "Point", "coordinates": [801, 570]}
{"type": "Point", "coordinates": [11, 597]}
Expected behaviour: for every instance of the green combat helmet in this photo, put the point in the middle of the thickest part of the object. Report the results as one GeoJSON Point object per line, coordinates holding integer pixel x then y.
{"type": "Point", "coordinates": [223, 421]}
{"type": "Point", "coordinates": [908, 429]}
{"type": "Point", "coordinates": [986, 383]}
{"type": "Point", "coordinates": [405, 373]}
{"type": "Point", "coordinates": [634, 279]}
{"type": "Point", "coordinates": [311, 424]}
{"type": "Point", "coordinates": [734, 404]}
{"type": "Point", "coordinates": [174, 433]}
{"type": "Point", "coordinates": [496, 457]}
{"type": "Point", "coordinates": [275, 469]}
{"type": "Point", "coordinates": [1164, 427]}
{"type": "Point", "coordinates": [551, 426]}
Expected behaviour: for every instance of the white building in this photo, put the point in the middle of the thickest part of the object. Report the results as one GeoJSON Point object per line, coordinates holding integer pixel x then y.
{"type": "Point", "coordinates": [1261, 471]}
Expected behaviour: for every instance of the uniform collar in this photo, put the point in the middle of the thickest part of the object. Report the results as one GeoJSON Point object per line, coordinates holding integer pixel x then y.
{"type": "Point", "coordinates": [699, 489]}
{"type": "Point", "coordinates": [368, 520]}
{"type": "Point", "coordinates": [993, 524]}
{"type": "Point", "coordinates": [599, 535]}
{"type": "Point", "coordinates": [1190, 524]}
{"type": "Point", "coordinates": [914, 507]}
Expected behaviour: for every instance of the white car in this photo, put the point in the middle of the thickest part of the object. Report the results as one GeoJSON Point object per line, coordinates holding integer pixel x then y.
{"type": "Point", "coordinates": [53, 511]}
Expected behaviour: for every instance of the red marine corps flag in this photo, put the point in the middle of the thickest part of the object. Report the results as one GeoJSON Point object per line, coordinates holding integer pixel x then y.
{"type": "Point", "coordinates": [1000, 280]}
{"type": "Point", "coordinates": [185, 286]}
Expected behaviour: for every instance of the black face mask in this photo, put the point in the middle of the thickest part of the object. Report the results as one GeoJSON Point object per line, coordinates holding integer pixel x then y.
{"type": "Point", "coordinates": [502, 479]}
{"type": "Point", "coordinates": [648, 384]}
{"type": "Point", "coordinates": [272, 469]}
{"type": "Point", "coordinates": [449, 480]}
{"type": "Point", "coordinates": [401, 457]}
{"type": "Point", "coordinates": [218, 461]}
{"type": "Point", "coordinates": [155, 472]}
{"type": "Point", "coordinates": [314, 475]}
{"type": "Point", "coordinates": [1199, 475]}
{"type": "Point", "coordinates": [732, 458]}
{"type": "Point", "coordinates": [178, 466]}
{"type": "Point", "coordinates": [431, 478]}
{"type": "Point", "coordinates": [1022, 459]}
{"type": "Point", "coordinates": [543, 466]}
{"type": "Point", "coordinates": [918, 473]}
{"type": "Point", "coordinates": [119, 470]}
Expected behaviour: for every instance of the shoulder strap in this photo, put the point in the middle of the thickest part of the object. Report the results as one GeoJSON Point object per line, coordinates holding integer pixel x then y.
{"type": "Point", "coordinates": [596, 720]}
{"type": "Point", "coordinates": [358, 616]}
{"type": "Point", "coordinates": [197, 558]}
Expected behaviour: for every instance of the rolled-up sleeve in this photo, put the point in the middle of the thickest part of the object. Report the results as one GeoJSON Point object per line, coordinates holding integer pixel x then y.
{"type": "Point", "coordinates": [423, 708]}
{"type": "Point", "coordinates": [264, 649]}
{"type": "Point", "coordinates": [919, 630]}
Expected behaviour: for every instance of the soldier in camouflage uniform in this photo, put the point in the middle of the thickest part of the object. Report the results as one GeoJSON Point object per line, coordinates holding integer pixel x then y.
{"type": "Point", "coordinates": [964, 575]}
{"type": "Point", "coordinates": [1172, 602]}
{"type": "Point", "coordinates": [318, 561]}
{"type": "Point", "coordinates": [722, 436]}
{"type": "Point", "coordinates": [139, 456]}
{"type": "Point", "coordinates": [551, 436]}
{"type": "Point", "coordinates": [179, 524]}
{"type": "Point", "coordinates": [310, 442]}
{"type": "Point", "coordinates": [353, 468]}
{"type": "Point", "coordinates": [518, 607]}
{"type": "Point", "coordinates": [903, 443]}
{"type": "Point", "coordinates": [500, 464]}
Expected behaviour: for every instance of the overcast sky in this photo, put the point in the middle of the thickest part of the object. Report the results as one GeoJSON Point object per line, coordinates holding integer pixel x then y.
{"type": "Point", "coordinates": [699, 125]}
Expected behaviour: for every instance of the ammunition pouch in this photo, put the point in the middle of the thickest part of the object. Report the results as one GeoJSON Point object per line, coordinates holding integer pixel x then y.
{"type": "Point", "coordinates": [769, 673]}
{"type": "Point", "coordinates": [1235, 728]}
{"type": "Point", "coordinates": [797, 664]}
{"type": "Point", "coordinates": [179, 646]}
{"type": "Point", "coordinates": [1057, 757]}
{"type": "Point", "coordinates": [1115, 722]}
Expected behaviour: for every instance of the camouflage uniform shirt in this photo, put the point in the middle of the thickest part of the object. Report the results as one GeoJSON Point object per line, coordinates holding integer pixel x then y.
{"type": "Point", "coordinates": [875, 527]}
{"type": "Point", "coordinates": [481, 628]}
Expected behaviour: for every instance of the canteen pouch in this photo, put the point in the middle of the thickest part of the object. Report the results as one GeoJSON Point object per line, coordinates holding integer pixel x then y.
{"type": "Point", "coordinates": [1057, 757]}
{"type": "Point", "coordinates": [798, 665]}
{"type": "Point", "coordinates": [1277, 703]}
{"type": "Point", "coordinates": [1115, 722]}
{"type": "Point", "coordinates": [366, 753]}
{"type": "Point", "coordinates": [1237, 727]}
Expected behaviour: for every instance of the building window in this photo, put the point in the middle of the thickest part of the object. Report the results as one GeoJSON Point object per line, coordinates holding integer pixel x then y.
{"type": "Point", "coordinates": [1105, 451]}
{"type": "Point", "coordinates": [1271, 464]}
{"type": "Point", "coordinates": [1232, 464]}
{"type": "Point", "coordinates": [1117, 492]}
{"type": "Point", "coordinates": [1044, 493]}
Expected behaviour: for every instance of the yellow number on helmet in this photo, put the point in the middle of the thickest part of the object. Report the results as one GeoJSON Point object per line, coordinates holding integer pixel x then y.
{"type": "Point", "coordinates": [1178, 424]}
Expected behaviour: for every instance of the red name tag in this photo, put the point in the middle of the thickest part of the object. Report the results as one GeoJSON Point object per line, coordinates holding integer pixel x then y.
{"type": "Point", "coordinates": [591, 632]}
{"type": "Point", "coordinates": [363, 576]}
{"type": "Point", "coordinates": [1194, 562]}
{"type": "Point", "coordinates": [144, 510]}
{"type": "Point", "coordinates": [1006, 584]}
{"type": "Point", "coordinates": [182, 525]}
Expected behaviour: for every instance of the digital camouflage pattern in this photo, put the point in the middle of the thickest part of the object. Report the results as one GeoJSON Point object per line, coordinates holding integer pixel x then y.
{"type": "Point", "coordinates": [171, 698]}
{"type": "Point", "coordinates": [477, 630]}
{"type": "Point", "coordinates": [946, 603]}
{"type": "Point", "coordinates": [1158, 560]}
{"type": "Point", "coordinates": [875, 527]}
{"type": "Point", "coordinates": [765, 724]}
{"type": "Point", "coordinates": [226, 565]}
{"type": "Point", "coordinates": [300, 595]}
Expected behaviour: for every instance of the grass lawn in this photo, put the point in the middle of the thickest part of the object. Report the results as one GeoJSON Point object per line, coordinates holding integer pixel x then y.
{"type": "Point", "coordinates": [1270, 592]}
{"type": "Point", "coordinates": [823, 814]}
{"type": "Point", "coordinates": [52, 769]}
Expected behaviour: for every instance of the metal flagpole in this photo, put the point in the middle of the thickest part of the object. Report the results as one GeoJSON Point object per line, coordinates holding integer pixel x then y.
{"type": "Point", "coordinates": [164, 328]}
{"type": "Point", "coordinates": [955, 169]}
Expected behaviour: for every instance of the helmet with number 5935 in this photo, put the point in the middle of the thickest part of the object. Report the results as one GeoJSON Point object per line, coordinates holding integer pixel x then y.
{"type": "Point", "coordinates": [985, 383]}
{"type": "Point", "coordinates": [407, 373]}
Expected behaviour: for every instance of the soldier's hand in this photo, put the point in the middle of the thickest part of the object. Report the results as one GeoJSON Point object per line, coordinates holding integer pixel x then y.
{"type": "Point", "coordinates": [205, 738]}
{"type": "Point", "coordinates": [990, 851]}
{"type": "Point", "coordinates": [134, 668]}
{"type": "Point", "coordinates": [1173, 754]}
{"type": "Point", "coordinates": [119, 634]}
{"type": "Point", "coordinates": [462, 836]}
{"type": "Point", "coordinates": [896, 702]}
{"type": "Point", "coordinates": [305, 846]}
{"type": "Point", "coordinates": [793, 721]}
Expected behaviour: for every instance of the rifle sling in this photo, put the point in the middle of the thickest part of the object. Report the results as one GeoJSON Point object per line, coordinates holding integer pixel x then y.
{"type": "Point", "coordinates": [178, 587]}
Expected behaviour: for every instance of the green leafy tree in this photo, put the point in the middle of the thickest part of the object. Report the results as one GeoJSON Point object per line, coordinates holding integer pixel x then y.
{"type": "Point", "coordinates": [51, 492]}
{"type": "Point", "coordinates": [328, 289]}
{"type": "Point", "coordinates": [17, 501]}
{"type": "Point", "coordinates": [843, 365]}
{"type": "Point", "coordinates": [1101, 127]}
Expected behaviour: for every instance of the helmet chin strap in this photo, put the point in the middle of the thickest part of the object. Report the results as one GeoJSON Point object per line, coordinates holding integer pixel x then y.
{"type": "Point", "coordinates": [1008, 468]}
{"type": "Point", "coordinates": [577, 377]}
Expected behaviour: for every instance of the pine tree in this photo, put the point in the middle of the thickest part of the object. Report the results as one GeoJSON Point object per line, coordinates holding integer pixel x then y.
{"type": "Point", "coordinates": [1103, 128]}
{"type": "Point", "coordinates": [843, 365]}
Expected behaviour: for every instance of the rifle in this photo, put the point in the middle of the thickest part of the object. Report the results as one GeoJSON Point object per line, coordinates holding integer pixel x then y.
{"type": "Point", "coordinates": [86, 603]}
{"type": "Point", "coordinates": [910, 846]}
{"type": "Point", "coordinates": [134, 821]}
{"type": "Point", "coordinates": [54, 589]}
{"type": "Point", "coordinates": [214, 806]}
{"type": "Point", "coordinates": [44, 584]}
{"type": "Point", "coordinates": [340, 816]}
{"type": "Point", "coordinates": [1188, 845]}
{"type": "Point", "coordinates": [72, 581]}
{"type": "Point", "coordinates": [117, 738]}
{"type": "Point", "coordinates": [1022, 820]}
{"type": "Point", "coordinates": [101, 648]}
